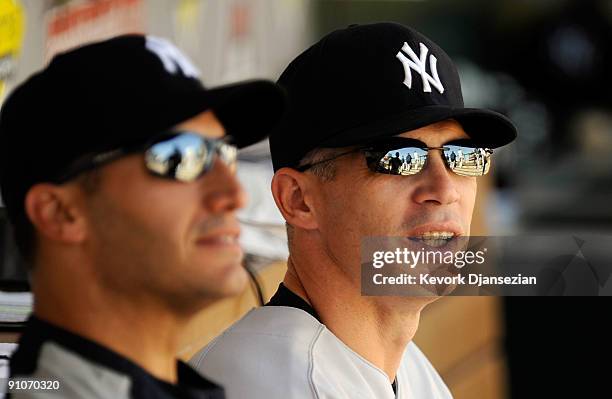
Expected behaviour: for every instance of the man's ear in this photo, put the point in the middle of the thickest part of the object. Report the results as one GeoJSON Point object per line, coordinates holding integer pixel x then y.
{"type": "Point", "coordinates": [53, 210]}
{"type": "Point", "coordinates": [290, 190]}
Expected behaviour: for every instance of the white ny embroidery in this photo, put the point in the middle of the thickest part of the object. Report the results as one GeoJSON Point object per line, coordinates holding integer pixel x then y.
{"type": "Point", "coordinates": [418, 64]}
{"type": "Point", "coordinates": [172, 58]}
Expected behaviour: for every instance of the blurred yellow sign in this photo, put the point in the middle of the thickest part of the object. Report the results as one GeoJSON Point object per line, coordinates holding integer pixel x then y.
{"type": "Point", "coordinates": [188, 12]}
{"type": "Point", "coordinates": [11, 36]}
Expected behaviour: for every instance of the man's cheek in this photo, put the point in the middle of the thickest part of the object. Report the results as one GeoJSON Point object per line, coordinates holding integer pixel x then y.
{"type": "Point", "coordinates": [372, 221]}
{"type": "Point", "coordinates": [468, 201]}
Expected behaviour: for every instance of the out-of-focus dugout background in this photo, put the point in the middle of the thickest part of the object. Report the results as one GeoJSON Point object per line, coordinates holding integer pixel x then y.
{"type": "Point", "coordinates": [545, 64]}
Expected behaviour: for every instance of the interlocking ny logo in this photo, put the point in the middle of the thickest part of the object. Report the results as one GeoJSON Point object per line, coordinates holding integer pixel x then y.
{"type": "Point", "coordinates": [172, 58]}
{"type": "Point", "coordinates": [418, 64]}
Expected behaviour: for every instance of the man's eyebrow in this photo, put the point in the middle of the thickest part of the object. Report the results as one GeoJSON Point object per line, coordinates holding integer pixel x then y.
{"type": "Point", "coordinates": [452, 140]}
{"type": "Point", "coordinates": [460, 139]}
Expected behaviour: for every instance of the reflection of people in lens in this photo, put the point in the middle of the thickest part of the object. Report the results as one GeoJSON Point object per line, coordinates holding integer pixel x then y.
{"type": "Point", "coordinates": [174, 161]}
{"type": "Point", "coordinates": [485, 159]}
{"type": "Point", "coordinates": [453, 159]}
{"type": "Point", "coordinates": [395, 164]}
{"type": "Point", "coordinates": [408, 162]}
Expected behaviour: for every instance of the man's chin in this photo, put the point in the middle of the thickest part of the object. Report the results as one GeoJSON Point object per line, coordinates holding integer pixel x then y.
{"type": "Point", "coordinates": [410, 303]}
{"type": "Point", "coordinates": [231, 281]}
{"type": "Point", "coordinates": [237, 284]}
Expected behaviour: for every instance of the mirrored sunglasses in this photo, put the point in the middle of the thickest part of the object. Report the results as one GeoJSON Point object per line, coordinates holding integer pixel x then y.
{"type": "Point", "coordinates": [407, 157]}
{"type": "Point", "coordinates": [183, 156]}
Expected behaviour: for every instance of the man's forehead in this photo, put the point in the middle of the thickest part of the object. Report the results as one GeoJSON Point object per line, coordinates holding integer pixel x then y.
{"type": "Point", "coordinates": [437, 133]}
{"type": "Point", "coordinates": [205, 124]}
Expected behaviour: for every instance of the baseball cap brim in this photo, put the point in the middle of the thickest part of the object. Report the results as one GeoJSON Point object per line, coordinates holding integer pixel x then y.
{"type": "Point", "coordinates": [248, 110]}
{"type": "Point", "coordinates": [489, 128]}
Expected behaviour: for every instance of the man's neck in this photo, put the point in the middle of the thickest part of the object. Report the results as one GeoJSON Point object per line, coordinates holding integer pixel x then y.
{"type": "Point", "coordinates": [138, 332]}
{"type": "Point", "coordinates": [377, 328]}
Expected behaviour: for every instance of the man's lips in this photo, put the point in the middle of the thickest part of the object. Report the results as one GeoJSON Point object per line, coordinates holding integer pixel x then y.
{"type": "Point", "coordinates": [221, 238]}
{"type": "Point", "coordinates": [218, 240]}
{"type": "Point", "coordinates": [431, 230]}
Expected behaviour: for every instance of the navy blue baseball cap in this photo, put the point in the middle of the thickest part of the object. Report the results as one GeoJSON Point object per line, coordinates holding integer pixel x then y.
{"type": "Point", "coordinates": [365, 82]}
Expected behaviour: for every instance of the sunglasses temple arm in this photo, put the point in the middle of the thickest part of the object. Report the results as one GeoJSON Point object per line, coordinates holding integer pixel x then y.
{"type": "Point", "coordinates": [310, 165]}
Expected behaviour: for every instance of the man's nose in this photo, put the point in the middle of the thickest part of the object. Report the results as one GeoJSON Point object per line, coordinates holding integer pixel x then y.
{"type": "Point", "coordinates": [224, 193]}
{"type": "Point", "coordinates": [436, 184]}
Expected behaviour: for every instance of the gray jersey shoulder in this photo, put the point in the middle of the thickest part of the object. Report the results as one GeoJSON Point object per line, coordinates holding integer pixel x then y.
{"type": "Point", "coordinates": [283, 352]}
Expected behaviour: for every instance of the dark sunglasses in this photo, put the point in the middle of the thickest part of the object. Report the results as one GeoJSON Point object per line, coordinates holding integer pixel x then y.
{"type": "Point", "coordinates": [181, 156]}
{"type": "Point", "coordinates": [406, 157]}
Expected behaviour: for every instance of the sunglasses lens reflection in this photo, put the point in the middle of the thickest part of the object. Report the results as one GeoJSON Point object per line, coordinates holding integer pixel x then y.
{"type": "Point", "coordinates": [228, 155]}
{"type": "Point", "coordinates": [406, 161]}
{"type": "Point", "coordinates": [467, 161]}
{"type": "Point", "coordinates": [402, 161]}
{"type": "Point", "coordinates": [183, 157]}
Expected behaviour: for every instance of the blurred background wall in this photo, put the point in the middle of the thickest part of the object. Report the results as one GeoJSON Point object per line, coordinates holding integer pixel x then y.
{"type": "Point", "coordinates": [544, 63]}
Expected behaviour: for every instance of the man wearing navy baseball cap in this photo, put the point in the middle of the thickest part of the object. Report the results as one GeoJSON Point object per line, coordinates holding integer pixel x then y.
{"type": "Point", "coordinates": [377, 142]}
{"type": "Point", "coordinates": [117, 173]}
